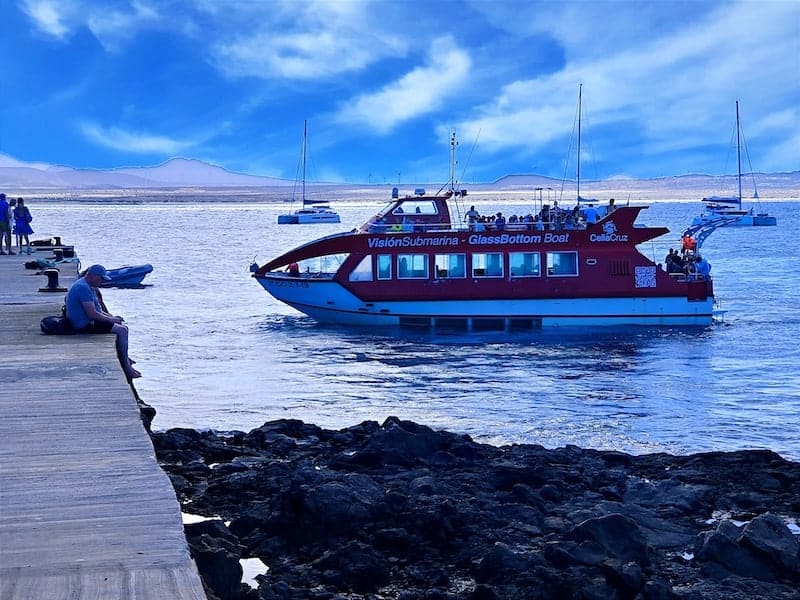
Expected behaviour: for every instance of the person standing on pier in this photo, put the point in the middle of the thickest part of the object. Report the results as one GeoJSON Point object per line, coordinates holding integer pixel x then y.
{"type": "Point", "coordinates": [5, 224]}
{"type": "Point", "coordinates": [22, 225]}
{"type": "Point", "coordinates": [86, 315]}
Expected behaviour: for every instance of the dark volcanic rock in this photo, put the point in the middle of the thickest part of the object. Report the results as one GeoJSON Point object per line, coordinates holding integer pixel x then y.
{"type": "Point", "coordinates": [401, 511]}
{"type": "Point", "coordinates": [216, 552]}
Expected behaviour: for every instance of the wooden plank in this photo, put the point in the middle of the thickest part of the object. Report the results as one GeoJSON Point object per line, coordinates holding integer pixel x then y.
{"type": "Point", "coordinates": [85, 510]}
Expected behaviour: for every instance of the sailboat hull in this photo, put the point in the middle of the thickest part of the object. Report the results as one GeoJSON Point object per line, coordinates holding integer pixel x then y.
{"type": "Point", "coordinates": [308, 216]}
{"type": "Point", "coordinates": [764, 220]}
{"type": "Point", "coordinates": [738, 218]}
{"type": "Point", "coordinates": [313, 211]}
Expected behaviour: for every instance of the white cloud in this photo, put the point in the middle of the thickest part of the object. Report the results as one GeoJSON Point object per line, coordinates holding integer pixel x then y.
{"type": "Point", "coordinates": [9, 161]}
{"type": "Point", "coordinates": [48, 15]}
{"type": "Point", "coordinates": [418, 92]}
{"type": "Point", "coordinates": [302, 55]}
{"type": "Point", "coordinates": [677, 88]}
{"type": "Point", "coordinates": [134, 142]}
{"type": "Point", "coordinates": [109, 24]}
{"type": "Point", "coordinates": [111, 27]}
{"type": "Point", "coordinates": [303, 40]}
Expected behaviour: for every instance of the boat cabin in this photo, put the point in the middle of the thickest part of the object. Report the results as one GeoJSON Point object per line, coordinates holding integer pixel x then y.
{"type": "Point", "coordinates": [412, 213]}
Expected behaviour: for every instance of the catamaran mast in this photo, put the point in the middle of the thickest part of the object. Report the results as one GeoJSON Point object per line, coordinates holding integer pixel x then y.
{"type": "Point", "coordinates": [739, 154]}
{"type": "Point", "coordinates": [578, 176]}
{"type": "Point", "coordinates": [305, 134]}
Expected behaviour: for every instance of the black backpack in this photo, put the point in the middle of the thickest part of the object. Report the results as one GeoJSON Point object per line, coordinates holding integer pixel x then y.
{"type": "Point", "coordinates": [56, 325]}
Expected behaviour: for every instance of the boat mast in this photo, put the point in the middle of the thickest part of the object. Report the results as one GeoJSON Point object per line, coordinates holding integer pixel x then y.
{"type": "Point", "coordinates": [305, 134]}
{"type": "Point", "coordinates": [453, 161]}
{"type": "Point", "coordinates": [578, 176]}
{"type": "Point", "coordinates": [739, 154]}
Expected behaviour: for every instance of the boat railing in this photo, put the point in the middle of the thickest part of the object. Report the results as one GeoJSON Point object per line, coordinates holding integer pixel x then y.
{"type": "Point", "coordinates": [374, 227]}
{"type": "Point", "coordinates": [690, 276]}
{"type": "Point", "coordinates": [291, 275]}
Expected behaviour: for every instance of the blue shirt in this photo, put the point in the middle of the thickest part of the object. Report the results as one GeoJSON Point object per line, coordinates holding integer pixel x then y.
{"type": "Point", "coordinates": [78, 293]}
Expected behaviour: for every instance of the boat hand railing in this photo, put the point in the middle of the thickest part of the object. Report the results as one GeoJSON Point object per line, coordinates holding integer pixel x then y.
{"type": "Point", "coordinates": [700, 232]}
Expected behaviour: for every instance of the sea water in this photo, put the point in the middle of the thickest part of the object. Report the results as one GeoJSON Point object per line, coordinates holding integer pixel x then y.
{"type": "Point", "coordinates": [218, 352]}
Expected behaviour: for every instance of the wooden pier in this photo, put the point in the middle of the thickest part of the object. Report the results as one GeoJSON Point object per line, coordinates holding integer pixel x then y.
{"type": "Point", "coordinates": [85, 510]}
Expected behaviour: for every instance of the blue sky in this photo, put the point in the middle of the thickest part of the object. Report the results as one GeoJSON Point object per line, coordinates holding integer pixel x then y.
{"type": "Point", "coordinates": [100, 84]}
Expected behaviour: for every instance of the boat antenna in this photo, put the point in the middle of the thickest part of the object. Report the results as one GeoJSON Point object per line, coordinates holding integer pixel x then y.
{"type": "Point", "coordinates": [451, 183]}
{"type": "Point", "coordinates": [469, 158]}
{"type": "Point", "coordinates": [453, 160]}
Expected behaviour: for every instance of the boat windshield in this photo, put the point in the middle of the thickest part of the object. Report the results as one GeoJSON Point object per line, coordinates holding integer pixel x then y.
{"type": "Point", "coordinates": [416, 207]}
{"type": "Point", "coordinates": [322, 265]}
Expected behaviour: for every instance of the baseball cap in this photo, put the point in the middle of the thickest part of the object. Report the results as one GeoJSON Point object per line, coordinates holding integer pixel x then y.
{"type": "Point", "coordinates": [98, 270]}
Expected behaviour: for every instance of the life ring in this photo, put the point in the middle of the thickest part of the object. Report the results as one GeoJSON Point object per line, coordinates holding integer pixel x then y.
{"type": "Point", "coordinates": [689, 243]}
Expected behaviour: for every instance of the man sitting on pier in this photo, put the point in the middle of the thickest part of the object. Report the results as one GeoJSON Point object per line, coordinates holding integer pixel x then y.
{"type": "Point", "coordinates": [86, 314]}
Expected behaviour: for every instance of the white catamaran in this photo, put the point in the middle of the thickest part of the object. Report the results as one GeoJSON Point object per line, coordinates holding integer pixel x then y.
{"type": "Point", "coordinates": [730, 207]}
{"type": "Point", "coordinates": [313, 211]}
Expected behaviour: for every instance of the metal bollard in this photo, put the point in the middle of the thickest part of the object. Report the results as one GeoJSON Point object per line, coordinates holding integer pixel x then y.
{"type": "Point", "coordinates": [52, 282]}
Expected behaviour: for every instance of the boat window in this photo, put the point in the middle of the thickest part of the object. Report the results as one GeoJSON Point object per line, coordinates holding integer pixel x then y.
{"type": "Point", "coordinates": [488, 264]}
{"type": "Point", "coordinates": [319, 265]}
{"type": "Point", "coordinates": [525, 264]}
{"type": "Point", "coordinates": [384, 266]}
{"type": "Point", "coordinates": [450, 266]}
{"type": "Point", "coordinates": [412, 266]}
{"type": "Point", "coordinates": [416, 207]}
{"type": "Point", "coordinates": [562, 264]}
{"type": "Point", "coordinates": [363, 272]}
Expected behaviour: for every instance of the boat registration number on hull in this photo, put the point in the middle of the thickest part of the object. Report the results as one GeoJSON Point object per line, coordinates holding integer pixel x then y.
{"type": "Point", "coordinates": [287, 284]}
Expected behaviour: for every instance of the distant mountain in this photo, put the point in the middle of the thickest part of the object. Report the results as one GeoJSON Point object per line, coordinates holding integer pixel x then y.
{"type": "Point", "coordinates": [775, 185]}
{"type": "Point", "coordinates": [16, 176]}
{"type": "Point", "coordinates": [177, 172]}
{"type": "Point", "coordinates": [190, 172]}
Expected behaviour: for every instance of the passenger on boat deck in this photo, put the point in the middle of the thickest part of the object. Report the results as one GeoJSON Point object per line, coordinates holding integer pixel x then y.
{"type": "Point", "coordinates": [591, 214]}
{"type": "Point", "coordinates": [690, 268]}
{"type": "Point", "coordinates": [669, 258]}
{"type": "Point", "coordinates": [86, 315]}
{"type": "Point", "coordinates": [538, 223]}
{"type": "Point", "coordinates": [544, 214]}
{"type": "Point", "coordinates": [500, 222]}
{"type": "Point", "coordinates": [673, 262]}
{"type": "Point", "coordinates": [472, 215]}
{"type": "Point", "coordinates": [702, 266]}
{"type": "Point", "coordinates": [528, 220]}
{"type": "Point", "coordinates": [610, 207]}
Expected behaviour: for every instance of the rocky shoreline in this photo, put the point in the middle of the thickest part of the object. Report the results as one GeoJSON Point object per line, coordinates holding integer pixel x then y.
{"type": "Point", "coordinates": [400, 511]}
